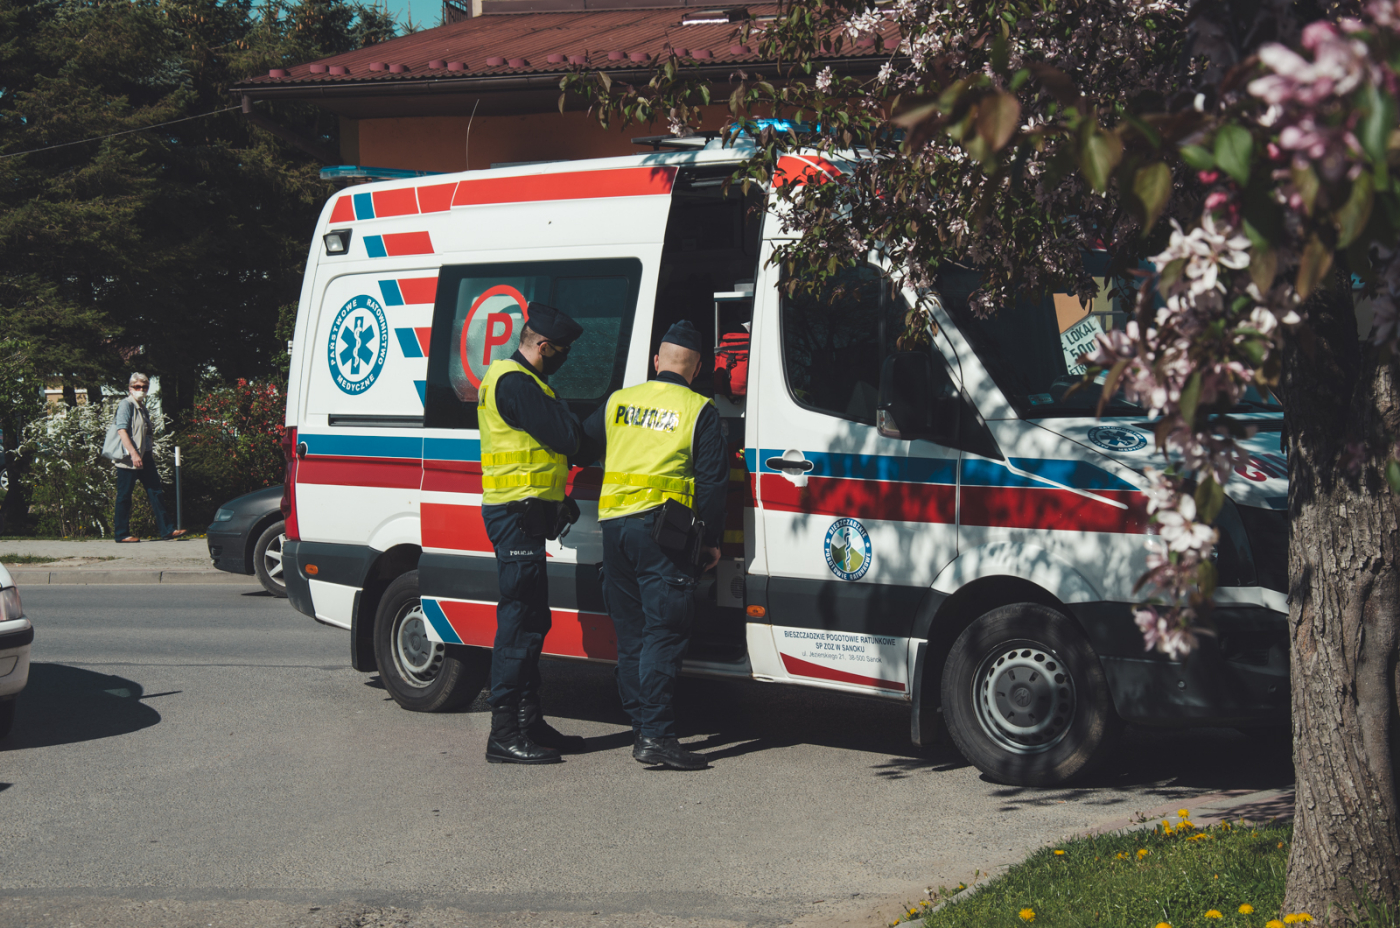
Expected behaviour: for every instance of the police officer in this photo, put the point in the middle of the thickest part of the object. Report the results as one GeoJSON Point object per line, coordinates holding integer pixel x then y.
{"type": "Point", "coordinates": [526, 437]}
{"type": "Point", "coordinates": [663, 442]}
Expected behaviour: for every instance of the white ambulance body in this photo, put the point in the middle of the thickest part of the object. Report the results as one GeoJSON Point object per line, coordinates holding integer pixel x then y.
{"type": "Point", "coordinates": [982, 570]}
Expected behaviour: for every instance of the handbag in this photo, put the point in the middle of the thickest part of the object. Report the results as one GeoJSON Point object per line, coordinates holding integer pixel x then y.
{"type": "Point", "coordinates": [112, 447]}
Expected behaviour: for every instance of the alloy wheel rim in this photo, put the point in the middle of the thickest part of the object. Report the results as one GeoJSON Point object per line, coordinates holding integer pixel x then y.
{"type": "Point", "coordinates": [1024, 697]}
{"type": "Point", "coordinates": [272, 557]}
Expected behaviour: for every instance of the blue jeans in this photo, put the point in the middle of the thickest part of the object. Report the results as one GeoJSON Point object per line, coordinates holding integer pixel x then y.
{"type": "Point", "coordinates": [652, 603]}
{"type": "Point", "coordinates": [522, 611]}
{"type": "Point", "coordinates": [126, 482]}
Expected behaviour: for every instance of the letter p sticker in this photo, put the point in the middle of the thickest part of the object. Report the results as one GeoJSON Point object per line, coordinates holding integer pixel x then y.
{"type": "Point", "coordinates": [494, 322]}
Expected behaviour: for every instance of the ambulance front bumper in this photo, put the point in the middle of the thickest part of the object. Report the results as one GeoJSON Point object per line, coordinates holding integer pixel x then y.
{"type": "Point", "coordinates": [1236, 678]}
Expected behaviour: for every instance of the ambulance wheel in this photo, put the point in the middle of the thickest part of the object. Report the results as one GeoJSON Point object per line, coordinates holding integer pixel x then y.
{"type": "Point", "coordinates": [421, 674]}
{"type": "Point", "coordinates": [1025, 698]}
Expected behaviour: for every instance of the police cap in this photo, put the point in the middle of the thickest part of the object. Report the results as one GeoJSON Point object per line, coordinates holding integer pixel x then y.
{"type": "Point", "coordinates": [553, 324]}
{"type": "Point", "coordinates": [683, 333]}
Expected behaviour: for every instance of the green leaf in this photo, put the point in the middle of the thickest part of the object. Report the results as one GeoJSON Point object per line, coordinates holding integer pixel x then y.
{"type": "Point", "coordinates": [1197, 157]}
{"type": "Point", "coordinates": [1313, 266]}
{"type": "Point", "coordinates": [1263, 268]}
{"type": "Point", "coordinates": [1206, 578]}
{"type": "Point", "coordinates": [1356, 212]}
{"type": "Point", "coordinates": [1210, 498]}
{"type": "Point", "coordinates": [1099, 156]}
{"type": "Point", "coordinates": [1392, 475]}
{"type": "Point", "coordinates": [998, 115]}
{"type": "Point", "coordinates": [1153, 186]}
{"type": "Point", "coordinates": [1111, 383]}
{"type": "Point", "coordinates": [1306, 181]}
{"type": "Point", "coordinates": [1376, 125]}
{"type": "Point", "coordinates": [1018, 80]}
{"type": "Point", "coordinates": [1233, 148]}
{"type": "Point", "coordinates": [1190, 399]}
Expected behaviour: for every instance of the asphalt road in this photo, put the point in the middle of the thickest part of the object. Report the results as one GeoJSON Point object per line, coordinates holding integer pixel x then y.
{"type": "Point", "coordinates": [190, 755]}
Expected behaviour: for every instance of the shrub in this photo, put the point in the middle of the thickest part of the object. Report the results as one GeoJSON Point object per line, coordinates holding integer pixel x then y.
{"type": "Point", "coordinates": [231, 445]}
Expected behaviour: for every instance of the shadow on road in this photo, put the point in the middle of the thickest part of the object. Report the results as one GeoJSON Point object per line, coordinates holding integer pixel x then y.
{"type": "Point", "coordinates": [64, 705]}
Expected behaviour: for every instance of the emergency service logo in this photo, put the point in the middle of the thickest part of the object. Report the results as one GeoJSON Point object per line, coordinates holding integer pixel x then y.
{"type": "Point", "coordinates": [1117, 438]}
{"type": "Point", "coordinates": [847, 549]}
{"type": "Point", "coordinates": [358, 345]}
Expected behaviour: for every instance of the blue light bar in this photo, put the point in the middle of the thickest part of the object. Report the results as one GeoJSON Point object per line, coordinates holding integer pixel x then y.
{"type": "Point", "coordinates": [354, 170]}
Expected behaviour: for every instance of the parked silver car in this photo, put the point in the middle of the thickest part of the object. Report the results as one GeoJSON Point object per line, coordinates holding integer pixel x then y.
{"type": "Point", "coordinates": [16, 635]}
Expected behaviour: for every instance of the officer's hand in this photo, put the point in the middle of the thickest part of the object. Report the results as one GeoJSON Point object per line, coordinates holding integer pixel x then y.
{"type": "Point", "coordinates": [711, 558]}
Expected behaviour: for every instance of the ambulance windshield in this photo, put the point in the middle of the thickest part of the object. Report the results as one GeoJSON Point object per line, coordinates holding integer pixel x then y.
{"type": "Point", "coordinates": [1032, 350]}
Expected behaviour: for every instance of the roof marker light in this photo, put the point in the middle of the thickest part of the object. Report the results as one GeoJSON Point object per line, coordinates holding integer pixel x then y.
{"type": "Point", "coordinates": [337, 241]}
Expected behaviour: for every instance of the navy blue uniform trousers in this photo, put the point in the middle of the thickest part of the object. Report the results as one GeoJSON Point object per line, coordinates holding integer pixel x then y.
{"type": "Point", "coordinates": [652, 603]}
{"type": "Point", "coordinates": [522, 611]}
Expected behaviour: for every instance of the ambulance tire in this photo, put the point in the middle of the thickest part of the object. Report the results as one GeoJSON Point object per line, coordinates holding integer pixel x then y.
{"type": "Point", "coordinates": [422, 675]}
{"type": "Point", "coordinates": [1025, 698]}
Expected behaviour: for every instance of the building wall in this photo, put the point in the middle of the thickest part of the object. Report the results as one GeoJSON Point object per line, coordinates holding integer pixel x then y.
{"type": "Point", "coordinates": [439, 143]}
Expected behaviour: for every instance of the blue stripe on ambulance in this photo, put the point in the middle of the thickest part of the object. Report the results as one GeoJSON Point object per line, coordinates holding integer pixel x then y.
{"type": "Point", "coordinates": [452, 449]}
{"type": "Point", "coordinates": [408, 341]}
{"type": "Point", "coordinates": [374, 246]}
{"type": "Point", "coordinates": [363, 446]}
{"type": "Point", "coordinates": [364, 206]}
{"type": "Point", "coordinates": [391, 293]}
{"type": "Point", "coordinates": [438, 620]}
{"type": "Point", "coordinates": [1080, 475]}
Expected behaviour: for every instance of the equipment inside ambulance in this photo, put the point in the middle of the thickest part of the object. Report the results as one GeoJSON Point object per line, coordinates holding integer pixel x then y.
{"type": "Point", "coordinates": [950, 528]}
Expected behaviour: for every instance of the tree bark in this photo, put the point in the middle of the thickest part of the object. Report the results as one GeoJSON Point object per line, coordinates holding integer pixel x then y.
{"type": "Point", "coordinates": [1339, 397]}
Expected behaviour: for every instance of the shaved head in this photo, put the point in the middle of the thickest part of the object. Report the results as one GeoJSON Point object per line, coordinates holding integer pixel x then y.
{"type": "Point", "coordinates": [678, 360]}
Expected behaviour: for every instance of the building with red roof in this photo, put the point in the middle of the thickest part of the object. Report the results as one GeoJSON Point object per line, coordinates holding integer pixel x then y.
{"type": "Point", "coordinates": [483, 90]}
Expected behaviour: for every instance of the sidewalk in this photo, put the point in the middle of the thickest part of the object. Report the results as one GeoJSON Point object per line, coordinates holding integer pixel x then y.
{"type": "Point", "coordinates": [185, 560]}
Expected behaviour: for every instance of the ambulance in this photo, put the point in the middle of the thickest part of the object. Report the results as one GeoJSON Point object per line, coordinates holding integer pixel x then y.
{"type": "Point", "coordinates": [954, 529]}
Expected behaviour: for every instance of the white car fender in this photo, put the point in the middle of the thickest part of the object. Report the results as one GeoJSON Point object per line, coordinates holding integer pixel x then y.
{"type": "Point", "coordinates": [1027, 562]}
{"type": "Point", "coordinates": [400, 530]}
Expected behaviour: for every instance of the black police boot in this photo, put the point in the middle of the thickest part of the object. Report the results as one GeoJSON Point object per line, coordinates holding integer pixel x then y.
{"type": "Point", "coordinates": [545, 735]}
{"type": "Point", "coordinates": [666, 752]}
{"type": "Point", "coordinates": [509, 744]}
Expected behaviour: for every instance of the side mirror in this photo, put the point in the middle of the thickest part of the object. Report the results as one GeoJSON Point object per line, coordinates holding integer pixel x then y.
{"type": "Point", "coordinates": [917, 398]}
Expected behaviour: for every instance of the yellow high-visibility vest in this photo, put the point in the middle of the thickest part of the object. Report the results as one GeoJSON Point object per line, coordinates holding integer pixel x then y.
{"type": "Point", "coordinates": [650, 428]}
{"type": "Point", "coordinates": [514, 465]}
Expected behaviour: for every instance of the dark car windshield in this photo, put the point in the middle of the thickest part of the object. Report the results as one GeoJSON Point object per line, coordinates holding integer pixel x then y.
{"type": "Point", "coordinates": [1032, 349]}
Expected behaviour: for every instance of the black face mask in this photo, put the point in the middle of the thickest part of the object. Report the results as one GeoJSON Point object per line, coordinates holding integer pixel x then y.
{"type": "Point", "coordinates": [553, 362]}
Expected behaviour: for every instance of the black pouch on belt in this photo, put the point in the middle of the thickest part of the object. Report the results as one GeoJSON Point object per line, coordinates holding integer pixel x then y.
{"type": "Point", "coordinates": [677, 532]}
{"type": "Point", "coordinates": [541, 516]}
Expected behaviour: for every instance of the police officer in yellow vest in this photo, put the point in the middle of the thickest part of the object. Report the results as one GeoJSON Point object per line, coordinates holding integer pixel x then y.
{"type": "Point", "coordinates": [526, 437]}
{"type": "Point", "coordinates": [663, 443]}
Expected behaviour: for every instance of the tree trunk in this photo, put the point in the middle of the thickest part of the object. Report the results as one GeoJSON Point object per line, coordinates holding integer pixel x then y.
{"type": "Point", "coordinates": [1344, 570]}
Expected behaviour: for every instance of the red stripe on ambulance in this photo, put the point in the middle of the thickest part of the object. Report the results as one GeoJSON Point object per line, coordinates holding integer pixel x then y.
{"type": "Point", "coordinates": [344, 210]}
{"type": "Point", "coordinates": [455, 527]}
{"type": "Point", "coordinates": [436, 198]}
{"type": "Point", "coordinates": [418, 289]}
{"type": "Point", "coordinates": [573, 634]}
{"type": "Point", "coordinates": [580, 185]}
{"type": "Point", "coordinates": [384, 473]}
{"type": "Point", "coordinates": [1062, 510]}
{"type": "Point", "coordinates": [801, 668]}
{"type": "Point", "coordinates": [862, 499]}
{"type": "Point", "coordinates": [398, 244]}
{"type": "Point", "coordinates": [400, 202]}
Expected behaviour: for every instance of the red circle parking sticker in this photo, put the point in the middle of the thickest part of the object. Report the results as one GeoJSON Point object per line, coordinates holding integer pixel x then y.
{"type": "Point", "coordinates": [492, 329]}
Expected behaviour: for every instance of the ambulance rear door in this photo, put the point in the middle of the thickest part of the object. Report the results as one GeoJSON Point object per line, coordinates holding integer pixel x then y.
{"type": "Point", "coordinates": [855, 525]}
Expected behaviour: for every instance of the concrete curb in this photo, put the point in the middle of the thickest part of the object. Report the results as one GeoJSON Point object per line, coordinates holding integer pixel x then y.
{"type": "Point", "coordinates": [77, 575]}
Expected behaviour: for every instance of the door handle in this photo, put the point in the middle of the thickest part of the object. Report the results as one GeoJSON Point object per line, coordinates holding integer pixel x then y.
{"type": "Point", "coordinates": [792, 465]}
{"type": "Point", "coordinates": [789, 464]}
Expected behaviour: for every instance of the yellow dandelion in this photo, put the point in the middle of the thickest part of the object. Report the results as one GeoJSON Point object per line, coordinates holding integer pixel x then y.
{"type": "Point", "coordinates": [1027, 915]}
{"type": "Point", "coordinates": [1214, 913]}
{"type": "Point", "coordinates": [1246, 909]}
{"type": "Point", "coordinates": [1163, 925]}
{"type": "Point", "coordinates": [1122, 856]}
{"type": "Point", "coordinates": [1142, 852]}
{"type": "Point", "coordinates": [1182, 813]}
{"type": "Point", "coordinates": [1059, 853]}
{"type": "Point", "coordinates": [1297, 917]}
{"type": "Point", "coordinates": [1273, 923]}
{"type": "Point", "coordinates": [1185, 824]}
{"type": "Point", "coordinates": [962, 886]}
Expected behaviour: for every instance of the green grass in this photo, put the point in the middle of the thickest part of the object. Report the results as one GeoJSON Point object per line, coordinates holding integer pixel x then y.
{"type": "Point", "coordinates": [1177, 881]}
{"type": "Point", "coordinates": [43, 559]}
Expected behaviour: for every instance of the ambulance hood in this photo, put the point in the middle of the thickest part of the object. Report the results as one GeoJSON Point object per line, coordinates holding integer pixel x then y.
{"type": "Point", "coordinates": [1131, 443]}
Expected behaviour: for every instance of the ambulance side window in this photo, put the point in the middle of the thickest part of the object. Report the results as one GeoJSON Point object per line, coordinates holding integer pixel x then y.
{"type": "Point", "coordinates": [479, 314]}
{"type": "Point", "coordinates": [835, 340]}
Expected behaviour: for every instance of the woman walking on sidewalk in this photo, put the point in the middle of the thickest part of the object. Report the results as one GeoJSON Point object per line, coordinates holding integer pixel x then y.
{"type": "Point", "coordinates": [133, 424]}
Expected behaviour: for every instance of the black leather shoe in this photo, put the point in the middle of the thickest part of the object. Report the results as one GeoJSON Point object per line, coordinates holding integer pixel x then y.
{"type": "Point", "coordinates": [508, 744]}
{"type": "Point", "coordinates": [666, 752]}
{"type": "Point", "coordinates": [546, 735]}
